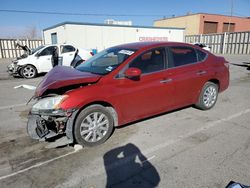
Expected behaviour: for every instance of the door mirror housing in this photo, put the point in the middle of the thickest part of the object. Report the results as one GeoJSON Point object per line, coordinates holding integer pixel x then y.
{"type": "Point", "coordinates": [133, 73]}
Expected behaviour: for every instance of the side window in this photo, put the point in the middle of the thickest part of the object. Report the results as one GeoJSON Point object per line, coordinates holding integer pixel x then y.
{"type": "Point", "coordinates": [68, 48]}
{"type": "Point", "coordinates": [201, 55]}
{"type": "Point", "coordinates": [48, 51]}
{"type": "Point", "coordinates": [150, 61]}
{"type": "Point", "coordinates": [181, 55]}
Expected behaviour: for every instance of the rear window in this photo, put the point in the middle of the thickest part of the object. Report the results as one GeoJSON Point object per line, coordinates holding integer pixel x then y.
{"type": "Point", "coordinates": [181, 55]}
{"type": "Point", "coordinates": [201, 55]}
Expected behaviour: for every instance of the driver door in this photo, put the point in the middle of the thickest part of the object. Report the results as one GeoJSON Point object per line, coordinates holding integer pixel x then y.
{"type": "Point", "coordinates": [68, 54]}
{"type": "Point", "coordinates": [152, 93]}
{"type": "Point", "coordinates": [44, 59]}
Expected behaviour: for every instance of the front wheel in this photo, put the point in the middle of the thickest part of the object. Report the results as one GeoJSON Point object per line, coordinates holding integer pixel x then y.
{"type": "Point", "coordinates": [208, 96]}
{"type": "Point", "coordinates": [28, 71]}
{"type": "Point", "coordinates": [93, 125]}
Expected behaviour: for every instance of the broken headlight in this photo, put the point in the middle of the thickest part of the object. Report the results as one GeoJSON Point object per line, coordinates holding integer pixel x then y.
{"type": "Point", "coordinates": [49, 103]}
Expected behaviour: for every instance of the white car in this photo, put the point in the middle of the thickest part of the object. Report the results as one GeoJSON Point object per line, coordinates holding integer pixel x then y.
{"type": "Point", "coordinates": [40, 60]}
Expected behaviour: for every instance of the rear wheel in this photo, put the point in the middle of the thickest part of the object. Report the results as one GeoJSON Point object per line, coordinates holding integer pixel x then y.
{"type": "Point", "coordinates": [208, 96]}
{"type": "Point", "coordinates": [93, 126]}
{"type": "Point", "coordinates": [28, 71]}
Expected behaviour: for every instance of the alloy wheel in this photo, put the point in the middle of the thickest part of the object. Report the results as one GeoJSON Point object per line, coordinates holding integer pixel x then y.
{"type": "Point", "coordinates": [29, 71]}
{"type": "Point", "coordinates": [209, 96]}
{"type": "Point", "coordinates": [94, 127]}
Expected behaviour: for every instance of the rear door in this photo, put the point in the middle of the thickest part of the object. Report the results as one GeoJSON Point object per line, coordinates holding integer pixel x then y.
{"type": "Point", "coordinates": [187, 74]}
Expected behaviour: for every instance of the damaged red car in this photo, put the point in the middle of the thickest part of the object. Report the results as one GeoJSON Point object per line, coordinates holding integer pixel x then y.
{"type": "Point", "coordinates": [123, 84]}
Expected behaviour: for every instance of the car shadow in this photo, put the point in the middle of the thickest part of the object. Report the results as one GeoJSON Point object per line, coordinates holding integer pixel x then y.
{"type": "Point", "coordinates": [244, 64]}
{"type": "Point", "coordinates": [126, 166]}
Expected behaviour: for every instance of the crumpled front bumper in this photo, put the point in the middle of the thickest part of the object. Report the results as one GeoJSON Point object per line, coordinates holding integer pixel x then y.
{"type": "Point", "coordinates": [14, 69]}
{"type": "Point", "coordinates": [45, 126]}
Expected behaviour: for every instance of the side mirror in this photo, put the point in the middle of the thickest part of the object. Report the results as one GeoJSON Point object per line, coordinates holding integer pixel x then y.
{"type": "Point", "coordinates": [133, 73]}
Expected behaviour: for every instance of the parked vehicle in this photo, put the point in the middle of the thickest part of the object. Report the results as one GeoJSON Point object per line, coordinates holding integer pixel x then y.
{"type": "Point", "coordinates": [123, 84]}
{"type": "Point", "coordinates": [40, 60]}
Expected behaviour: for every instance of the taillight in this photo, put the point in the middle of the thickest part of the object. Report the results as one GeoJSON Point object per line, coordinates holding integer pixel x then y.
{"type": "Point", "coordinates": [91, 53]}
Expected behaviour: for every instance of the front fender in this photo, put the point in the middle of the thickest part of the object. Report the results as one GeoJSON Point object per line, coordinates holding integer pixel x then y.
{"type": "Point", "coordinates": [28, 60]}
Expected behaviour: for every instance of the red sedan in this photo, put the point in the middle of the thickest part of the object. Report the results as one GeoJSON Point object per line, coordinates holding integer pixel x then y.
{"type": "Point", "coordinates": [123, 84]}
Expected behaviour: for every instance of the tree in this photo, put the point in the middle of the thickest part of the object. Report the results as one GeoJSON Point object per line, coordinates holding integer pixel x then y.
{"type": "Point", "coordinates": [31, 32]}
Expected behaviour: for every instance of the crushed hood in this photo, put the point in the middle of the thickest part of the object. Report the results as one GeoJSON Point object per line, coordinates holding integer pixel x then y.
{"type": "Point", "coordinates": [62, 76]}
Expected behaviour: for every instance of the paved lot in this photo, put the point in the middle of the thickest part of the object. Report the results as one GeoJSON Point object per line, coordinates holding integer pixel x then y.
{"type": "Point", "coordinates": [184, 148]}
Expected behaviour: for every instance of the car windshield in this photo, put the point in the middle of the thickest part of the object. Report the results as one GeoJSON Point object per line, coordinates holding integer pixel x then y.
{"type": "Point", "coordinates": [106, 61]}
{"type": "Point", "coordinates": [36, 49]}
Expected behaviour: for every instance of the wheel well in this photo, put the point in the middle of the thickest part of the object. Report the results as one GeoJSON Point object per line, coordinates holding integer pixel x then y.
{"type": "Point", "coordinates": [108, 106]}
{"type": "Point", "coordinates": [30, 65]}
{"type": "Point", "coordinates": [215, 81]}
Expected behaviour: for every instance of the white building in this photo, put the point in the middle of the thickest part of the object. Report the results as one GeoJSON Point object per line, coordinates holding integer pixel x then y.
{"type": "Point", "coordinates": [101, 36]}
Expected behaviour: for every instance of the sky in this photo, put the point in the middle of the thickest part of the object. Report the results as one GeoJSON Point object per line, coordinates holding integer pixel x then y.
{"type": "Point", "coordinates": [140, 12]}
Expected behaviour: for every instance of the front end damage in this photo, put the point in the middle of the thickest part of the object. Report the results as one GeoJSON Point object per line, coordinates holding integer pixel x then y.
{"type": "Point", "coordinates": [49, 124]}
{"type": "Point", "coordinates": [48, 118]}
{"type": "Point", "coordinates": [14, 69]}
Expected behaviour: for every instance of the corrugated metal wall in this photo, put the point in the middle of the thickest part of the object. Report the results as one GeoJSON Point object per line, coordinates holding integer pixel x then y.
{"type": "Point", "coordinates": [8, 46]}
{"type": "Point", "coordinates": [226, 43]}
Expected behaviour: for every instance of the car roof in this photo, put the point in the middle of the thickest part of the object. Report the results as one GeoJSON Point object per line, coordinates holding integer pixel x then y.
{"type": "Point", "coordinates": [139, 45]}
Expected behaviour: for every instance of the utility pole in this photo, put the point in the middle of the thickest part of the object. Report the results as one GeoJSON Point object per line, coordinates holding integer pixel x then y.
{"type": "Point", "coordinates": [231, 14]}
{"type": "Point", "coordinates": [226, 34]}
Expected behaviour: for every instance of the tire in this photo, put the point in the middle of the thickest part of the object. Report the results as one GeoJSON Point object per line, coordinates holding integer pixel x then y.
{"type": "Point", "coordinates": [87, 131]}
{"type": "Point", "coordinates": [208, 96]}
{"type": "Point", "coordinates": [28, 71]}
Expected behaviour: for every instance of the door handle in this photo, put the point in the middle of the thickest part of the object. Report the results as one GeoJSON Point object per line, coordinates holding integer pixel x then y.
{"type": "Point", "coordinates": [201, 72]}
{"type": "Point", "coordinates": [166, 81]}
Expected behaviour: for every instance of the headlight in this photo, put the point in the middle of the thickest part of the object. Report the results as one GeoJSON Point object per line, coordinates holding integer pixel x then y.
{"type": "Point", "coordinates": [49, 103]}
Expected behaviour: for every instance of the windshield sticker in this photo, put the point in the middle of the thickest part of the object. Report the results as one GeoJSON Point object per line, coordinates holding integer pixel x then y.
{"type": "Point", "coordinates": [127, 52]}
{"type": "Point", "coordinates": [109, 68]}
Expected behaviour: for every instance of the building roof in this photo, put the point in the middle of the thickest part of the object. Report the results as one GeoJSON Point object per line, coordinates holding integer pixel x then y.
{"type": "Point", "coordinates": [98, 24]}
{"type": "Point", "coordinates": [202, 14]}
